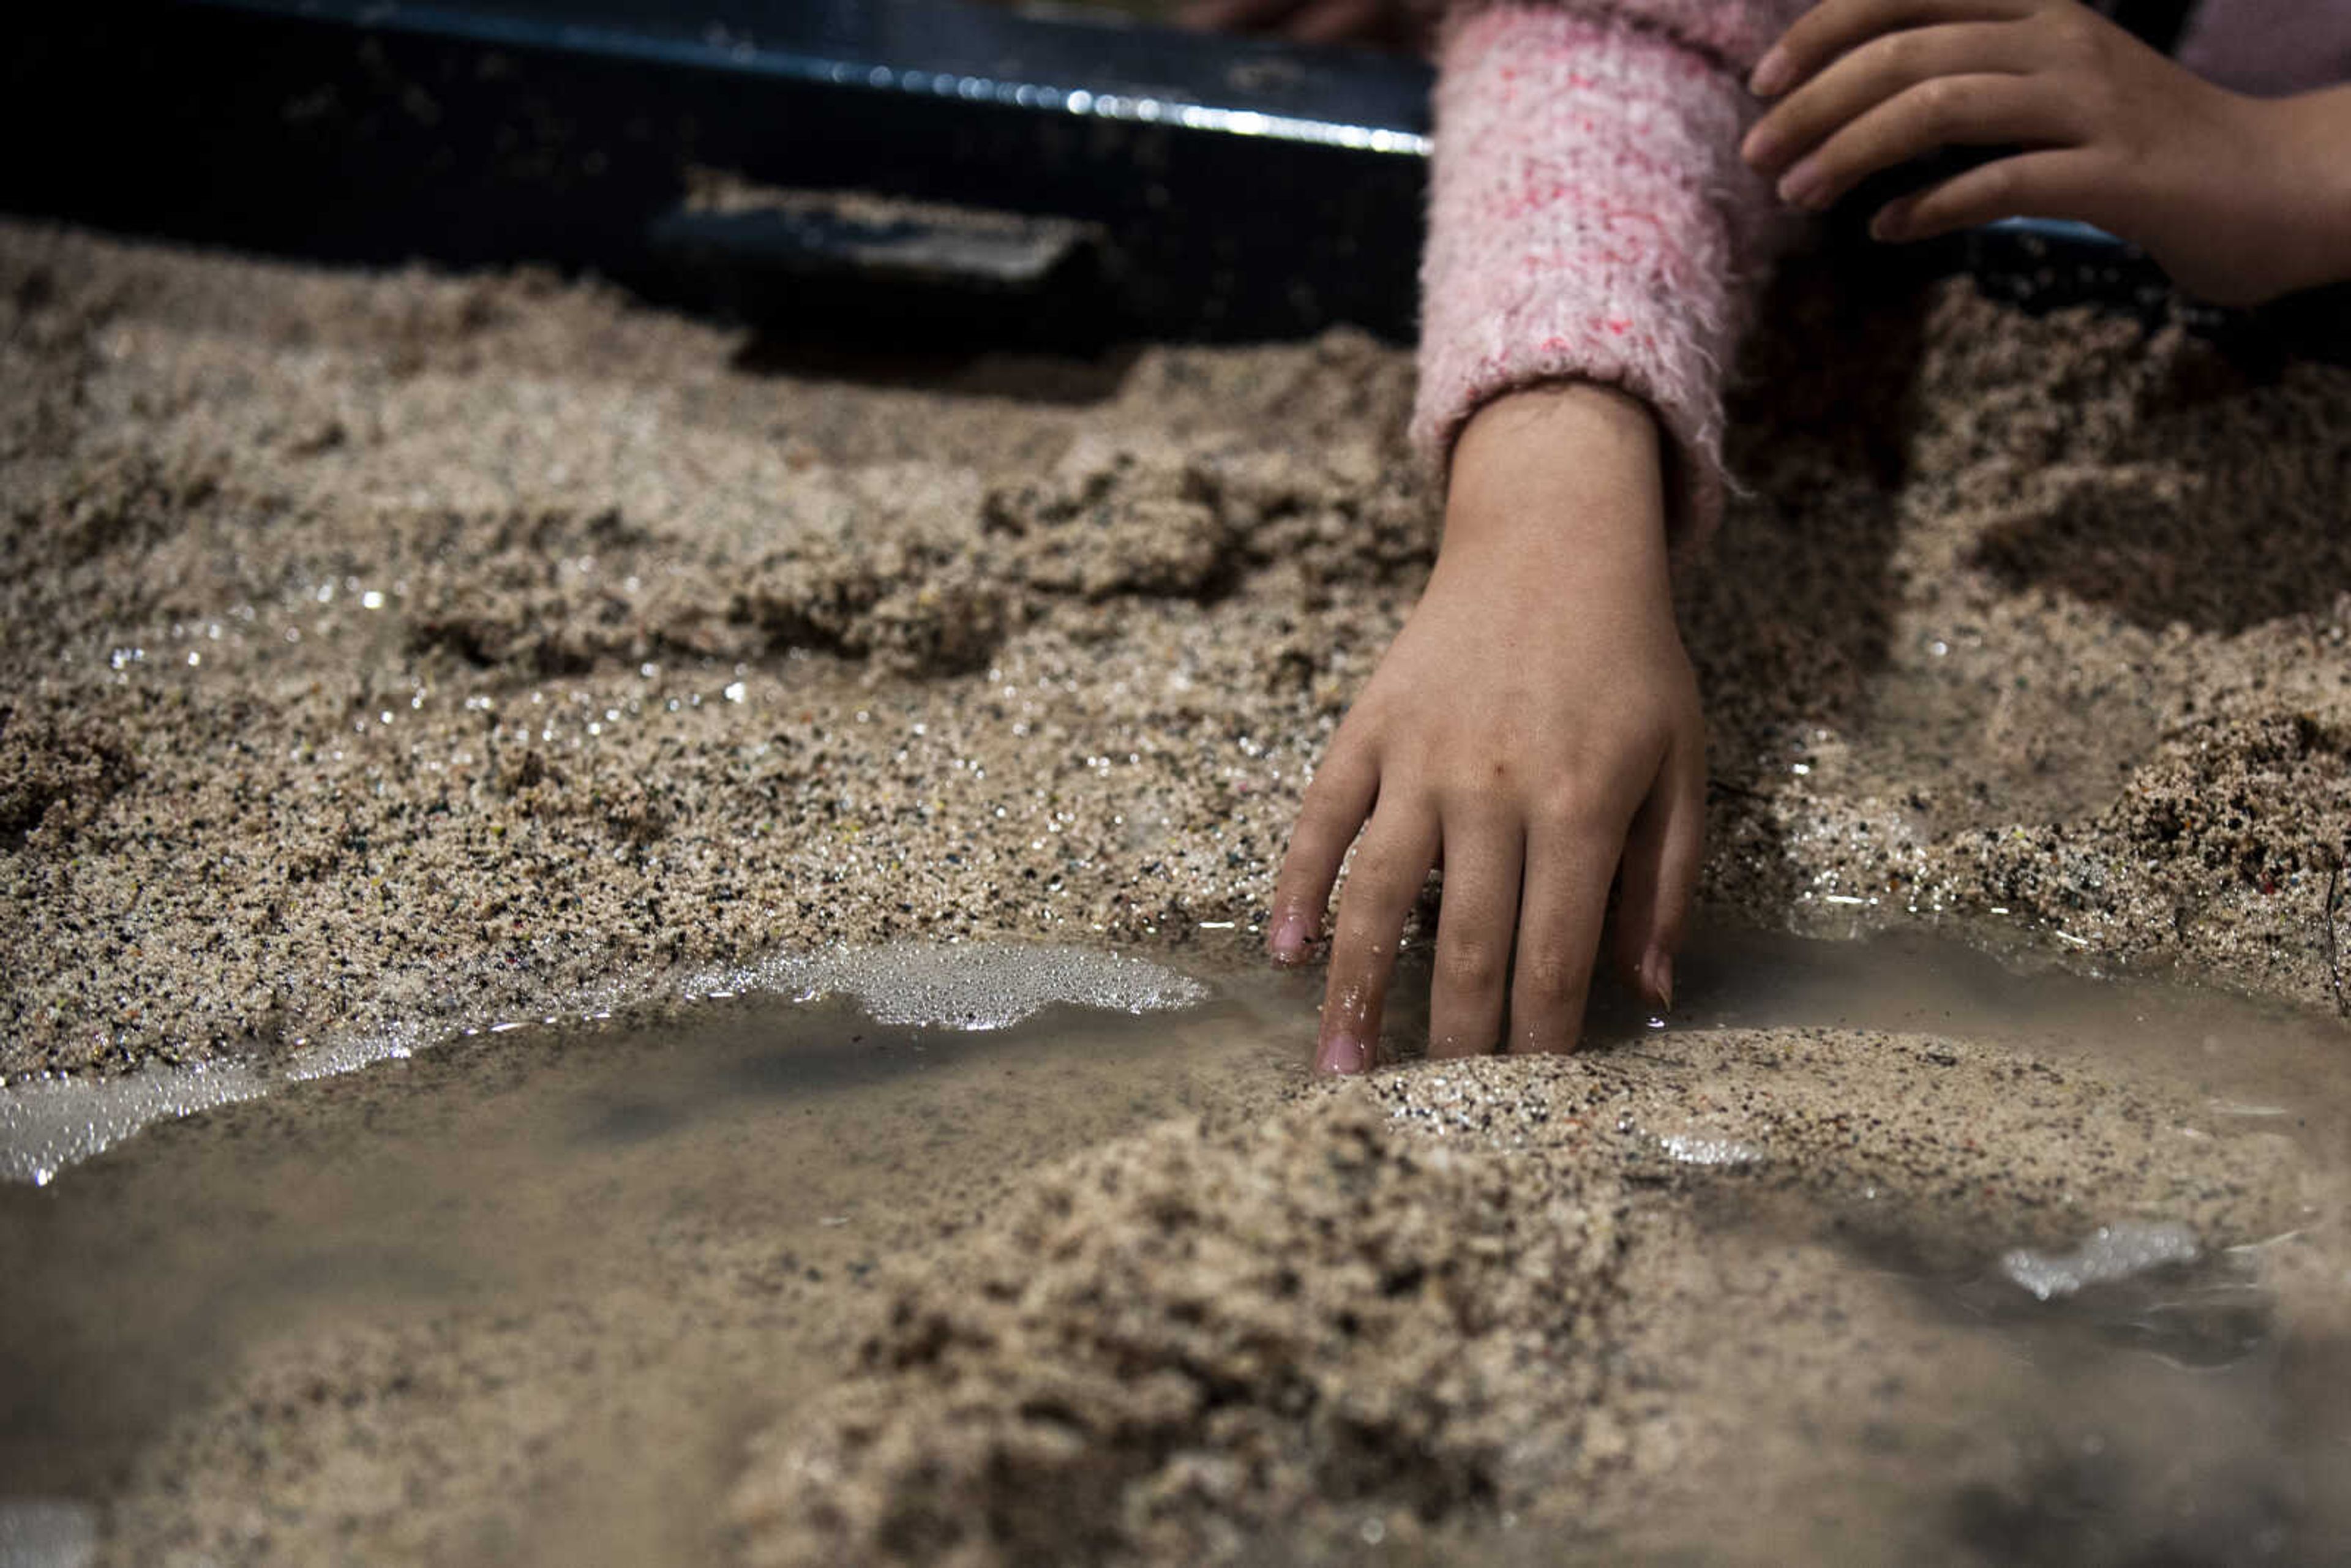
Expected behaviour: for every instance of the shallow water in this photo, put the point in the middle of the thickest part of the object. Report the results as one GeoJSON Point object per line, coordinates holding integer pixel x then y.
{"type": "Point", "coordinates": [561, 1273]}
{"type": "Point", "coordinates": [532, 1168]}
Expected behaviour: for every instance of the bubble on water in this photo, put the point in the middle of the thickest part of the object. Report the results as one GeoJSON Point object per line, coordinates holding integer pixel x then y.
{"type": "Point", "coordinates": [47, 1532]}
{"type": "Point", "coordinates": [969, 985]}
{"type": "Point", "coordinates": [2113, 1252]}
{"type": "Point", "coordinates": [49, 1124]}
{"type": "Point", "coordinates": [1697, 1149]}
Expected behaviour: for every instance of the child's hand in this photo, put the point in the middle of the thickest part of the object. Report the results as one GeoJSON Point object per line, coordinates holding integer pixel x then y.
{"type": "Point", "coordinates": [1535, 726]}
{"type": "Point", "coordinates": [2240, 199]}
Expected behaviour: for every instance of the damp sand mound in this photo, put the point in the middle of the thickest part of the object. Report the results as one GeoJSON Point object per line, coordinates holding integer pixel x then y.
{"type": "Point", "coordinates": [1193, 1341]}
{"type": "Point", "coordinates": [1448, 1310]}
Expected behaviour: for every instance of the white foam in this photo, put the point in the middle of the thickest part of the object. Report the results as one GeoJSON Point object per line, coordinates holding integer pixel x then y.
{"type": "Point", "coordinates": [1697, 1149]}
{"type": "Point", "coordinates": [2113, 1252]}
{"type": "Point", "coordinates": [49, 1124]}
{"type": "Point", "coordinates": [967, 985]}
{"type": "Point", "coordinates": [45, 1532]}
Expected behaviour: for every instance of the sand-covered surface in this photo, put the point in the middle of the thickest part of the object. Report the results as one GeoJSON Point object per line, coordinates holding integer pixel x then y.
{"type": "Point", "coordinates": [401, 649]}
{"type": "Point", "coordinates": [1482, 1295]}
{"type": "Point", "coordinates": [1725, 1297]}
{"type": "Point", "coordinates": [409, 651]}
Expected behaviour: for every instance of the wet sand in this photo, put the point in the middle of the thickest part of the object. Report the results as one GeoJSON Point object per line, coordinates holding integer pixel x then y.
{"type": "Point", "coordinates": [771, 1282]}
{"type": "Point", "coordinates": [778, 1284]}
{"type": "Point", "coordinates": [412, 650]}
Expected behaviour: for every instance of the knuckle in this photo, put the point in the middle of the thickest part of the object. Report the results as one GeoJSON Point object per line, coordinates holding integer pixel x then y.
{"type": "Point", "coordinates": [1342, 768]}
{"type": "Point", "coordinates": [1902, 55]}
{"type": "Point", "coordinates": [1380, 869]}
{"type": "Point", "coordinates": [1562, 803]}
{"type": "Point", "coordinates": [1548, 979]}
{"type": "Point", "coordinates": [1324, 806]}
{"type": "Point", "coordinates": [1313, 856]}
{"type": "Point", "coordinates": [2072, 33]}
{"type": "Point", "coordinates": [1573, 814]}
{"type": "Point", "coordinates": [1940, 100]}
{"type": "Point", "coordinates": [1999, 185]}
{"type": "Point", "coordinates": [1470, 963]}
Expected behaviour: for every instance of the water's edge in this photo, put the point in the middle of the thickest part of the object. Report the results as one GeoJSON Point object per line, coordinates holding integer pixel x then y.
{"type": "Point", "coordinates": [47, 1126]}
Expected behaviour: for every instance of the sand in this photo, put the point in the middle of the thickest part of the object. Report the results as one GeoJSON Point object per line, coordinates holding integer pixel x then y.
{"type": "Point", "coordinates": [1724, 1296]}
{"type": "Point", "coordinates": [407, 649]}
{"type": "Point", "coordinates": [1452, 1299]}
{"type": "Point", "coordinates": [414, 650]}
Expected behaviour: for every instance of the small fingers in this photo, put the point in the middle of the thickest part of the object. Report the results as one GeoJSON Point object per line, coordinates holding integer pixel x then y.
{"type": "Point", "coordinates": [1474, 928]}
{"type": "Point", "coordinates": [1336, 803]}
{"type": "Point", "coordinates": [1868, 75]}
{"type": "Point", "coordinates": [1560, 915]}
{"type": "Point", "coordinates": [1966, 110]}
{"type": "Point", "coordinates": [2055, 185]}
{"type": "Point", "coordinates": [1659, 871]}
{"type": "Point", "coordinates": [1399, 847]}
{"type": "Point", "coordinates": [1834, 26]}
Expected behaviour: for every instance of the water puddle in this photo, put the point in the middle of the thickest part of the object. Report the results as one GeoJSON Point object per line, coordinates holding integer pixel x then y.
{"type": "Point", "coordinates": [48, 1126]}
{"type": "Point", "coordinates": [522, 1296]}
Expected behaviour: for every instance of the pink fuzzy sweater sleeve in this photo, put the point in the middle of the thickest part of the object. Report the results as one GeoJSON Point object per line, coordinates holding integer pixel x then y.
{"type": "Point", "coordinates": [1590, 217]}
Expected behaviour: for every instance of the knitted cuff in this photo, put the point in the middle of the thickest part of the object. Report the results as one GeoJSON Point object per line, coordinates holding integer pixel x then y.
{"type": "Point", "coordinates": [1590, 220]}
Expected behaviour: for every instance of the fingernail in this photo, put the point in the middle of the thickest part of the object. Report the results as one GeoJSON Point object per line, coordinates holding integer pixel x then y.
{"type": "Point", "coordinates": [1289, 943]}
{"type": "Point", "coordinates": [1342, 1053]}
{"type": "Point", "coordinates": [1772, 73]}
{"type": "Point", "coordinates": [1892, 224]}
{"type": "Point", "coordinates": [1798, 187]}
{"type": "Point", "coordinates": [1757, 147]}
{"type": "Point", "coordinates": [1658, 972]}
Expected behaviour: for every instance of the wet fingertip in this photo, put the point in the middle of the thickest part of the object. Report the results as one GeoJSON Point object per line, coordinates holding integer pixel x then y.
{"type": "Point", "coordinates": [1657, 977]}
{"type": "Point", "coordinates": [1288, 944]}
{"type": "Point", "coordinates": [1341, 1055]}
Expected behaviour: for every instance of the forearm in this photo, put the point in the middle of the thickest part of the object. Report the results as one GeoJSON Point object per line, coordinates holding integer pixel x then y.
{"type": "Point", "coordinates": [1590, 219]}
{"type": "Point", "coordinates": [2312, 132]}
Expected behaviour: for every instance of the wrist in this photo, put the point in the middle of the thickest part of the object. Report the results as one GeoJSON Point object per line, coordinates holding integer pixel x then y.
{"type": "Point", "coordinates": [2311, 131]}
{"type": "Point", "coordinates": [1564, 473]}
